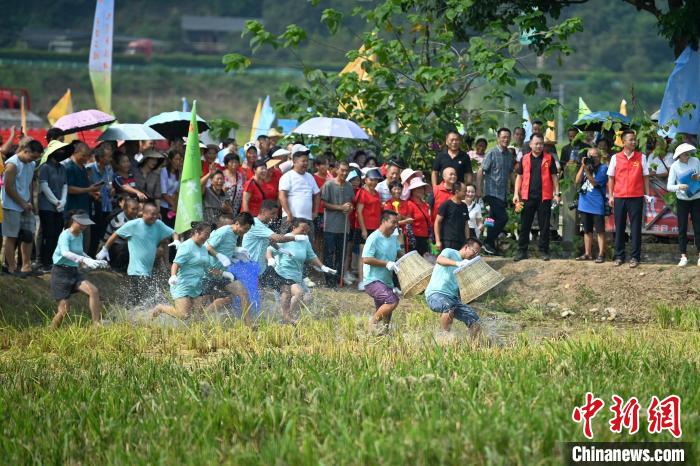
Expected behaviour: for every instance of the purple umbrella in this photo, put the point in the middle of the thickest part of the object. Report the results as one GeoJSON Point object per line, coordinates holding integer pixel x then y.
{"type": "Point", "coordinates": [83, 120]}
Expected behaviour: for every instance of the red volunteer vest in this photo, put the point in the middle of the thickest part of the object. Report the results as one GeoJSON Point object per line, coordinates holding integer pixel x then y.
{"type": "Point", "coordinates": [547, 185]}
{"type": "Point", "coordinates": [629, 175]}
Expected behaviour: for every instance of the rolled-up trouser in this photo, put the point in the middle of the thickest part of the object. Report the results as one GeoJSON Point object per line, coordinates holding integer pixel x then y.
{"type": "Point", "coordinates": [442, 303]}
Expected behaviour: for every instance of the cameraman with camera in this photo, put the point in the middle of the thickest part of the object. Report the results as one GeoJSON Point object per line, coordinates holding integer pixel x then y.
{"type": "Point", "coordinates": [592, 176]}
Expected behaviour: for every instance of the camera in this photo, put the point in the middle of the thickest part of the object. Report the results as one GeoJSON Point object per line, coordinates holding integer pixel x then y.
{"type": "Point", "coordinates": [573, 205]}
{"type": "Point", "coordinates": [587, 161]}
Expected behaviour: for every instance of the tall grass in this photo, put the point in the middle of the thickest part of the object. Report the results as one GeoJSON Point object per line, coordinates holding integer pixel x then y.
{"type": "Point", "coordinates": [323, 392]}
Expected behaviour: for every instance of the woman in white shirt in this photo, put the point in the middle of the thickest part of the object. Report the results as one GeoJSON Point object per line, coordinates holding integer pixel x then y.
{"type": "Point", "coordinates": [476, 221]}
{"type": "Point", "coordinates": [683, 177]}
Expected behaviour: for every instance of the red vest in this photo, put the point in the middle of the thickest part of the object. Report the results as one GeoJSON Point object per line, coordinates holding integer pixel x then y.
{"type": "Point", "coordinates": [545, 167]}
{"type": "Point", "coordinates": [629, 175]}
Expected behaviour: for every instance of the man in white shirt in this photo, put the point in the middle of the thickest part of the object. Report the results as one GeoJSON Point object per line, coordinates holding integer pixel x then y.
{"type": "Point", "coordinates": [299, 195]}
{"type": "Point", "coordinates": [393, 173]}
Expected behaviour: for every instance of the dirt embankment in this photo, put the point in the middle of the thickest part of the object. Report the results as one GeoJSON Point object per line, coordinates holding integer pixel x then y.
{"type": "Point", "coordinates": [583, 287]}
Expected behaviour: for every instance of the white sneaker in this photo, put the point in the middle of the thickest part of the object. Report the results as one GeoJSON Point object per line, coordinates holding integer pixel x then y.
{"type": "Point", "coordinates": [307, 281]}
{"type": "Point", "coordinates": [698, 261]}
{"type": "Point", "coordinates": [684, 261]}
{"type": "Point", "coordinates": [348, 278]}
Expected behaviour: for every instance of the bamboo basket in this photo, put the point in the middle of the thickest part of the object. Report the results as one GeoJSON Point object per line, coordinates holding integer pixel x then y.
{"type": "Point", "coordinates": [476, 279]}
{"type": "Point", "coordinates": [414, 273]}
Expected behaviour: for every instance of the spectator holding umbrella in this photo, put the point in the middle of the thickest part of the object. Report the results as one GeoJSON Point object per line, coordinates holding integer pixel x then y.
{"type": "Point", "coordinates": [686, 166]}
{"type": "Point", "coordinates": [628, 185]}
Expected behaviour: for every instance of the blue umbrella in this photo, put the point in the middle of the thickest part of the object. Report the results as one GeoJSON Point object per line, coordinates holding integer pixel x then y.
{"type": "Point", "coordinates": [175, 125]}
{"type": "Point", "coordinates": [594, 121]}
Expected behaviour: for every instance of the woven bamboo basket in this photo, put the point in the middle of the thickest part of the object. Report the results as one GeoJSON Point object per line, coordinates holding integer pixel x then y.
{"type": "Point", "coordinates": [414, 274]}
{"type": "Point", "coordinates": [476, 279]}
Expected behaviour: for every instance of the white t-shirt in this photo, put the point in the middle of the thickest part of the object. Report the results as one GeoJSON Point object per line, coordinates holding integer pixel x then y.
{"type": "Point", "coordinates": [300, 193]}
{"type": "Point", "coordinates": [384, 191]}
{"type": "Point", "coordinates": [474, 213]}
{"type": "Point", "coordinates": [656, 166]}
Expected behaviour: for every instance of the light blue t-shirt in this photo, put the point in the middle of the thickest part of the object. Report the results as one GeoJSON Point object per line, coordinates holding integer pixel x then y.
{"type": "Point", "coordinates": [382, 248]}
{"type": "Point", "coordinates": [256, 242]}
{"type": "Point", "coordinates": [194, 263]}
{"type": "Point", "coordinates": [223, 240]}
{"type": "Point", "coordinates": [68, 242]}
{"type": "Point", "coordinates": [443, 279]}
{"type": "Point", "coordinates": [23, 183]}
{"type": "Point", "coordinates": [291, 268]}
{"type": "Point", "coordinates": [143, 240]}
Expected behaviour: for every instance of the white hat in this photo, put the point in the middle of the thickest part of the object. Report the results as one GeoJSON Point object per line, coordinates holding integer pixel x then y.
{"type": "Point", "coordinates": [354, 165]}
{"type": "Point", "coordinates": [682, 149]}
{"type": "Point", "coordinates": [407, 173]}
{"type": "Point", "coordinates": [296, 148]}
{"type": "Point", "coordinates": [280, 154]}
{"type": "Point", "coordinates": [248, 145]}
{"type": "Point", "coordinates": [416, 183]}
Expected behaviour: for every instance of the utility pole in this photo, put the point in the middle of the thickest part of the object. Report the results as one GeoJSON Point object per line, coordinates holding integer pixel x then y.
{"type": "Point", "coordinates": [560, 114]}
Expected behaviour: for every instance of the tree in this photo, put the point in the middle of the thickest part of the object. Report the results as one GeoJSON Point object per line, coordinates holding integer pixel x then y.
{"type": "Point", "coordinates": [421, 59]}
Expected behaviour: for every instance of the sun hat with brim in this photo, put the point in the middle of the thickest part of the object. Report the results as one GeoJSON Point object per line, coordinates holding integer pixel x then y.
{"type": "Point", "coordinates": [82, 219]}
{"type": "Point", "coordinates": [272, 162]}
{"type": "Point", "coordinates": [407, 173]}
{"type": "Point", "coordinates": [374, 174]}
{"type": "Point", "coordinates": [57, 150]}
{"type": "Point", "coordinates": [352, 175]}
{"type": "Point", "coordinates": [151, 154]}
{"type": "Point", "coordinates": [248, 145]}
{"type": "Point", "coordinates": [682, 149]}
{"type": "Point", "coordinates": [274, 133]}
{"type": "Point", "coordinates": [280, 154]}
{"type": "Point", "coordinates": [416, 183]}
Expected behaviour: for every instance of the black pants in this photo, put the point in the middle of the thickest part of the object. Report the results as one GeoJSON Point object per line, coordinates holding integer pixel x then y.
{"type": "Point", "coordinates": [543, 211]}
{"type": "Point", "coordinates": [499, 214]}
{"type": "Point", "coordinates": [633, 208]}
{"type": "Point", "coordinates": [422, 246]}
{"type": "Point", "coordinates": [333, 256]}
{"type": "Point", "coordinates": [98, 229]}
{"type": "Point", "coordinates": [684, 209]}
{"type": "Point", "coordinates": [51, 227]}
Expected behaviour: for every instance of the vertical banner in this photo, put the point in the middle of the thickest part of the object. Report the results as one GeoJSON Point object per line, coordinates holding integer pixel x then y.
{"type": "Point", "coordinates": [101, 55]}
{"type": "Point", "coordinates": [189, 203]}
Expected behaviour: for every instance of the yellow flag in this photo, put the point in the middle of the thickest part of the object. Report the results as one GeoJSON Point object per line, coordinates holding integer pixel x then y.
{"type": "Point", "coordinates": [64, 106]}
{"type": "Point", "coordinates": [618, 134]}
{"type": "Point", "coordinates": [256, 120]}
{"type": "Point", "coordinates": [356, 67]}
{"type": "Point", "coordinates": [623, 107]}
{"type": "Point", "coordinates": [550, 134]}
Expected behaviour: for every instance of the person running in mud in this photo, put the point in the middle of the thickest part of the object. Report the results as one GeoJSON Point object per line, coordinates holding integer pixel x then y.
{"type": "Point", "coordinates": [192, 263]}
{"type": "Point", "coordinates": [222, 245]}
{"type": "Point", "coordinates": [66, 278]}
{"type": "Point", "coordinates": [442, 293]}
{"type": "Point", "coordinates": [144, 235]}
{"type": "Point", "coordinates": [378, 258]}
{"type": "Point", "coordinates": [288, 266]}
{"type": "Point", "coordinates": [260, 235]}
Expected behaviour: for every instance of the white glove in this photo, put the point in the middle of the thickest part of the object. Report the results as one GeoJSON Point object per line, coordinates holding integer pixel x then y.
{"type": "Point", "coordinates": [301, 238]}
{"type": "Point", "coordinates": [172, 280]}
{"type": "Point", "coordinates": [90, 263]}
{"type": "Point", "coordinates": [648, 198]}
{"type": "Point", "coordinates": [271, 262]}
{"type": "Point", "coordinates": [392, 266]}
{"type": "Point", "coordinates": [329, 270]}
{"type": "Point", "coordinates": [241, 254]}
{"type": "Point", "coordinates": [103, 254]}
{"type": "Point", "coordinates": [228, 275]}
{"type": "Point", "coordinates": [225, 261]}
{"type": "Point", "coordinates": [397, 292]}
{"type": "Point", "coordinates": [60, 206]}
{"type": "Point", "coordinates": [176, 243]}
{"type": "Point", "coordinates": [102, 264]}
{"type": "Point", "coordinates": [464, 262]}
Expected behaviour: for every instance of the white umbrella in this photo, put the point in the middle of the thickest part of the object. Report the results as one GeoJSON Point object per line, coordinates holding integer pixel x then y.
{"type": "Point", "coordinates": [130, 132]}
{"type": "Point", "coordinates": [331, 127]}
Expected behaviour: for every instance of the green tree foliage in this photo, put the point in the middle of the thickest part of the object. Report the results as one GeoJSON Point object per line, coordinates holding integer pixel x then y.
{"type": "Point", "coordinates": [422, 59]}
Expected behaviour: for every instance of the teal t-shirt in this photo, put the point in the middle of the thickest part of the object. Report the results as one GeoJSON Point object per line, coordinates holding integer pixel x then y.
{"type": "Point", "coordinates": [292, 268]}
{"type": "Point", "coordinates": [194, 264]}
{"type": "Point", "coordinates": [143, 241]}
{"type": "Point", "coordinates": [223, 240]}
{"type": "Point", "coordinates": [68, 242]}
{"type": "Point", "coordinates": [443, 279]}
{"type": "Point", "coordinates": [256, 242]}
{"type": "Point", "coordinates": [382, 248]}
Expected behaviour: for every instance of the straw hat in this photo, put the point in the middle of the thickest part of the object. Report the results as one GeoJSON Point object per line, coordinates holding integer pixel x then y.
{"type": "Point", "coordinates": [681, 149]}
{"type": "Point", "coordinates": [57, 149]}
{"type": "Point", "coordinates": [273, 162]}
{"type": "Point", "coordinates": [274, 133]}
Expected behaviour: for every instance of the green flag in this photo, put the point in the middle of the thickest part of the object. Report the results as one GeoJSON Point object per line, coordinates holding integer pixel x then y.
{"type": "Point", "coordinates": [189, 203]}
{"type": "Point", "coordinates": [582, 108]}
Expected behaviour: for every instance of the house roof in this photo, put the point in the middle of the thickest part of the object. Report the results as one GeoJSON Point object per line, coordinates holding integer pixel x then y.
{"type": "Point", "coordinates": [214, 23]}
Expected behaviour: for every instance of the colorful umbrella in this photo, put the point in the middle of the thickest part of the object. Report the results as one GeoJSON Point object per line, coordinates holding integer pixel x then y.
{"type": "Point", "coordinates": [130, 132]}
{"type": "Point", "coordinates": [83, 120]}
{"type": "Point", "coordinates": [331, 127]}
{"type": "Point", "coordinates": [174, 125]}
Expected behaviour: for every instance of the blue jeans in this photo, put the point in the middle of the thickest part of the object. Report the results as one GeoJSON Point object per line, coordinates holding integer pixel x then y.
{"type": "Point", "coordinates": [442, 303]}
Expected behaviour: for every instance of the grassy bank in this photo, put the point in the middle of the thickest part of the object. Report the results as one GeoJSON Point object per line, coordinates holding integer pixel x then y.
{"type": "Point", "coordinates": [323, 392]}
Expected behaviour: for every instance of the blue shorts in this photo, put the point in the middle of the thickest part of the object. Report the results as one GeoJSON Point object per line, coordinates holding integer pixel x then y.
{"type": "Point", "coordinates": [442, 303]}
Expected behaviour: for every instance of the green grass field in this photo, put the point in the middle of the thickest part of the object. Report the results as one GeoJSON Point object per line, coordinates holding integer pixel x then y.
{"type": "Point", "coordinates": [325, 392]}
